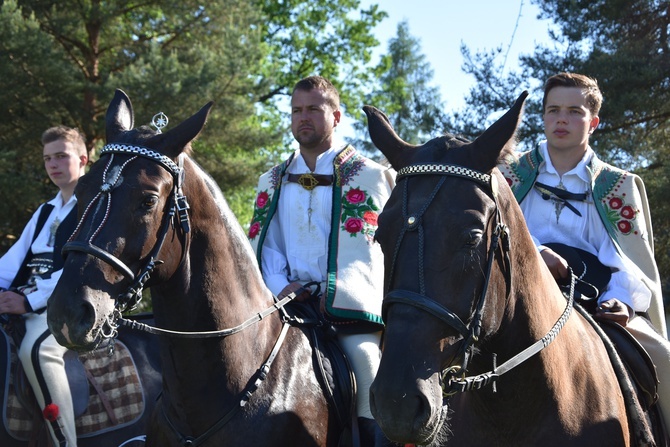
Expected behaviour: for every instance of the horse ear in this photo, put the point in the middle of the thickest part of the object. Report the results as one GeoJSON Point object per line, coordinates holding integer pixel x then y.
{"type": "Point", "coordinates": [495, 138]}
{"type": "Point", "coordinates": [172, 143]}
{"type": "Point", "coordinates": [119, 116]}
{"type": "Point", "coordinates": [384, 137]}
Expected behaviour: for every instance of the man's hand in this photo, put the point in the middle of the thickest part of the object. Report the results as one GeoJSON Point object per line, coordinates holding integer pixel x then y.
{"type": "Point", "coordinates": [557, 265]}
{"type": "Point", "coordinates": [614, 310]}
{"type": "Point", "coordinates": [12, 303]}
{"type": "Point", "coordinates": [293, 287]}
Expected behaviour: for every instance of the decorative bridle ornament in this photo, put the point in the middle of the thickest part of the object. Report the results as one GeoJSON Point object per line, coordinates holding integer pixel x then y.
{"type": "Point", "coordinates": [159, 121]}
{"type": "Point", "coordinates": [454, 378]}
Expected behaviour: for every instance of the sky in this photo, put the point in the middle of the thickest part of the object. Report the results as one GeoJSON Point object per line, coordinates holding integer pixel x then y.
{"type": "Point", "coordinates": [442, 25]}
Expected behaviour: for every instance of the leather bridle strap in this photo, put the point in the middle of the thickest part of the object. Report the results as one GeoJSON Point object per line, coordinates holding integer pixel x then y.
{"type": "Point", "coordinates": [456, 385]}
{"type": "Point", "coordinates": [252, 386]}
{"type": "Point", "coordinates": [434, 308]}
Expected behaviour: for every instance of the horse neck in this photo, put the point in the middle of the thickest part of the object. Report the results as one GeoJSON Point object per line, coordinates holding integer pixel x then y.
{"type": "Point", "coordinates": [218, 284]}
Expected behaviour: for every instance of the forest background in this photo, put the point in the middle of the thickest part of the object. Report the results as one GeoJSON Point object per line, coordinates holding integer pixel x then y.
{"type": "Point", "coordinates": [61, 61]}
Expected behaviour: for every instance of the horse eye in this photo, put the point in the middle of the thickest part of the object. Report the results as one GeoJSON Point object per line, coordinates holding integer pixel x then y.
{"type": "Point", "coordinates": [150, 201]}
{"type": "Point", "coordinates": [473, 238]}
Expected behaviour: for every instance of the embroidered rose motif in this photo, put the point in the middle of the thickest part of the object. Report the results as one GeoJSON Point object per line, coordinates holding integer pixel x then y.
{"type": "Point", "coordinates": [370, 217]}
{"type": "Point", "coordinates": [262, 199]}
{"type": "Point", "coordinates": [624, 226]}
{"type": "Point", "coordinates": [627, 212]}
{"type": "Point", "coordinates": [616, 203]}
{"type": "Point", "coordinates": [359, 214]}
{"type": "Point", "coordinates": [355, 195]}
{"type": "Point", "coordinates": [353, 225]}
{"type": "Point", "coordinates": [621, 215]}
{"type": "Point", "coordinates": [254, 230]}
{"type": "Point", "coordinates": [261, 207]}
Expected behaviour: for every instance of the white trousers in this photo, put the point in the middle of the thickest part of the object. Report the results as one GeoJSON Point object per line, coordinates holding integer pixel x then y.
{"type": "Point", "coordinates": [364, 355]}
{"type": "Point", "coordinates": [658, 348]}
{"type": "Point", "coordinates": [42, 360]}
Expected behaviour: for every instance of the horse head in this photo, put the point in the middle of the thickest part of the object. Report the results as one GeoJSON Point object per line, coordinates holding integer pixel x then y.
{"type": "Point", "coordinates": [445, 237]}
{"type": "Point", "coordinates": [132, 228]}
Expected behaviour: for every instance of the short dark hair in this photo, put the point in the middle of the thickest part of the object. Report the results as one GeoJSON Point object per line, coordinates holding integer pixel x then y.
{"type": "Point", "coordinates": [594, 96]}
{"type": "Point", "coordinates": [320, 83]}
{"type": "Point", "coordinates": [69, 134]}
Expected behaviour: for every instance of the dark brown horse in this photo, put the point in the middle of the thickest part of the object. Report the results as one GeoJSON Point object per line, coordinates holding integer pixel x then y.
{"type": "Point", "coordinates": [252, 380]}
{"type": "Point", "coordinates": [466, 292]}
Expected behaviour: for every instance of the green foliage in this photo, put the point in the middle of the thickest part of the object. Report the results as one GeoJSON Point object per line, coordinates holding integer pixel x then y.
{"type": "Point", "coordinates": [63, 61]}
{"type": "Point", "coordinates": [624, 45]}
{"type": "Point", "coordinates": [403, 91]}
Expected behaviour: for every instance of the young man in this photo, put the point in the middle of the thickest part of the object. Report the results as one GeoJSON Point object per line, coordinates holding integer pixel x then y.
{"type": "Point", "coordinates": [570, 197]}
{"type": "Point", "coordinates": [29, 272]}
{"type": "Point", "coordinates": [314, 220]}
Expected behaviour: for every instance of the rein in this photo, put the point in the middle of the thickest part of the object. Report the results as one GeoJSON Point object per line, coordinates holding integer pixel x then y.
{"type": "Point", "coordinates": [500, 240]}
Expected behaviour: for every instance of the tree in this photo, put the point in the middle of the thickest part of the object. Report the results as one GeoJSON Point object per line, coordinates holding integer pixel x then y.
{"type": "Point", "coordinates": [404, 92]}
{"type": "Point", "coordinates": [64, 59]}
{"type": "Point", "coordinates": [622, 43]}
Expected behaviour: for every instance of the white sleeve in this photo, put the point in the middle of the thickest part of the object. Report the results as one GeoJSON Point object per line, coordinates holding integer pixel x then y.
{"type": "Point", "coordinates": [274, 263]}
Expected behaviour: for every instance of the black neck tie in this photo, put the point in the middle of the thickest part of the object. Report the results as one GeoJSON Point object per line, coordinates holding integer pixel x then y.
{"type": "Point", "coordinates": [560, 195]}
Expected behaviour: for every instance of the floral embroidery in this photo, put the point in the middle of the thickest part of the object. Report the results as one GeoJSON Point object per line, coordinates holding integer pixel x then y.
{"type": "Point", "coordinates": [261, 208]}
{"type": "Point", "coordinates": [620, 214]}
{"type": "Point", "coordinates": [359, 213]}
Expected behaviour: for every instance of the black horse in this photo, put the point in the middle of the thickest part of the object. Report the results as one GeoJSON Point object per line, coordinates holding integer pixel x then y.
{"type": "Point", "coordinates": [149, 215]}
{"type": "Point", "coordinates": [468, 295]}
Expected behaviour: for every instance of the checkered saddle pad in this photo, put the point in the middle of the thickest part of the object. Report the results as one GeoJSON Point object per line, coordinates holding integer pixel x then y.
{"type": "Point", "coordinates": [106, 390]}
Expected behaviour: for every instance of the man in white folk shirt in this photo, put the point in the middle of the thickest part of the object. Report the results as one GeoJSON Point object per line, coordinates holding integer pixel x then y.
{"type": "Point", "coordinates": [315, 217]}
{"type": "Point", "coordinates": [573, 201]}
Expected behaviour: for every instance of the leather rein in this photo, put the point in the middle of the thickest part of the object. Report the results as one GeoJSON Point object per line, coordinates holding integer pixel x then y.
{"type": "Point", "coordinates": [454, 377]}
{"type": "Point", "coordinates": [178, 206]}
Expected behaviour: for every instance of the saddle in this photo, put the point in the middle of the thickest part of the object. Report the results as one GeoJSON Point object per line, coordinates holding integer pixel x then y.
{"type": "Point", "coordinates": [333, 369]}
{"type": "Point", "coordinates": [105, 387]}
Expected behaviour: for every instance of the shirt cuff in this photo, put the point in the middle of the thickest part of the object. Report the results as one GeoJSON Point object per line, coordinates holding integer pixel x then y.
{"type": "Point", "coordinates": [276, 283]}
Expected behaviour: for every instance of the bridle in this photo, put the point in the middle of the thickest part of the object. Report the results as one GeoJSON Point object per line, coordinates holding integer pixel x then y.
{"type": "Point", "coordinates": [177, 205]}
{"type": "Point", "coordinates": [454, 377]}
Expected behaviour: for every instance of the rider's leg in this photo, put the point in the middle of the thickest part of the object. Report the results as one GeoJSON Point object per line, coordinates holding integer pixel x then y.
{"type": "Point", "coordinates": [364, 355]}
{"type": "Point", "coordinates": [658, 348]}
{"type": "Point", "coordinates": [42, 360]}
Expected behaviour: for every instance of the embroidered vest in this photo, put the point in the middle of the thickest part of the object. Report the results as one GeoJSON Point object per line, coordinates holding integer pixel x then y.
{"type": "Point", "coordinates": [621, 201]}
{"type": "Point", "coordinates": [360, 190]}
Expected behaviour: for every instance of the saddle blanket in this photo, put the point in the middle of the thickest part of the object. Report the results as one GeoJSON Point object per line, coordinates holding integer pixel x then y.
{"type": "Point", "coordinates": [114, 374]}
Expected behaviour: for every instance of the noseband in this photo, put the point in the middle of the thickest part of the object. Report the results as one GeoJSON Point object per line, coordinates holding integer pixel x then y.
{"type": "Point", "coordinates": [112, 179]}
{"type": "Point", "coordinates": [470, 331]}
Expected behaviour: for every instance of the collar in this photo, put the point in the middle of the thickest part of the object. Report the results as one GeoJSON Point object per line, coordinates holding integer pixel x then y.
{"type": "Point", "coordinates": [581, 170]}
{"type": "Point", "coordinates": [324, 162]}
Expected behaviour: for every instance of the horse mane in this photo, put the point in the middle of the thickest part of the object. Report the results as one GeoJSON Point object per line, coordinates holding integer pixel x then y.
{"type": "Point", "coordinates": [227, 216]}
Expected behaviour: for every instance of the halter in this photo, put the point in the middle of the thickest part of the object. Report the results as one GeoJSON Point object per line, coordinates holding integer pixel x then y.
{"type": "Point", "coordinates": [111, 179]}
{"type": "Point", "coordinates": [500, 240]}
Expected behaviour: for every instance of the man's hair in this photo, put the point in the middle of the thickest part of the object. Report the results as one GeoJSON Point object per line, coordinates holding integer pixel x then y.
{"type": "Point", "coordinates": [594, 97]}
{"type": "Point", "coordinates": [67, 134]}
{"type": "Point", "coordinates": [320, 83]}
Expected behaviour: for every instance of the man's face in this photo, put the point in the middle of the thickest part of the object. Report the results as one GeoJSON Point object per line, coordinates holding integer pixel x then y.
{"type": "Point", "coordinates": [313, 120]}
{"type": "Point", "coordinates": [62, 163]}
{"type": "Point", "coordinates": [568, 123]}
